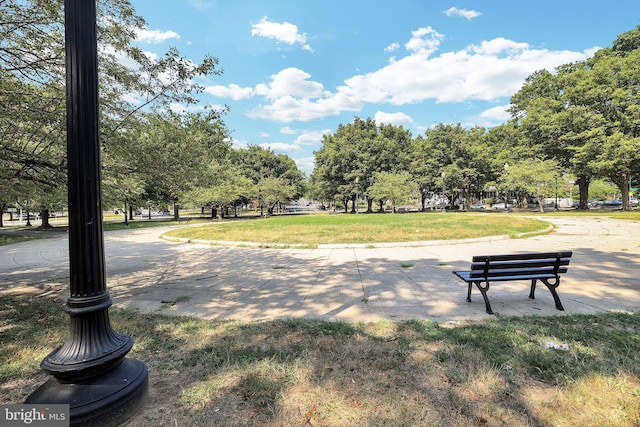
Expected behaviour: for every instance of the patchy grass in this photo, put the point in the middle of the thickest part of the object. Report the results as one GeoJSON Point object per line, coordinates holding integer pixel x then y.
{"type": "Point", "coordinates": [8, 239]}
{"type": "Point", "coordinates": [323, 228]}
{"type": "Point", "coordinates": [633, 215]}
{"type": "Point", "coordinates": [301, 372]}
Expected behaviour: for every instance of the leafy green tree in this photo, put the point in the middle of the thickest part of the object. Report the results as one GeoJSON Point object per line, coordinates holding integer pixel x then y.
{"type": "Point", "coordinates": [272, 191]}
{"type": "Point", "coordinates": [531, 177]}
{"type": "Point", "coordinates": [586, 113]}
{"type": "Point", "coordinates": [615, 75]}
{"type": "Point", "coordinates": [457, 153]}
{"type": "Point", "coordinates": [224, 185]}
{"type": "Point", "coordinates": [335, 165]}
{"type": "Point", "coordinates": [424, 167]}
{"type": "Point", "coordinates": [620, 159]}
{"type": "Point", "coordinates": [396, 187]}
{"type": "Point", "coordinates": [601, 189]}
{"type": "Point", "coordinates": [556, 125]}
{"type": "Point", "coordinates": [32, 76]}
{"type": "Point", "coordinates": [357, 151]}
{"type": "Point", "coordinates": [168, 152]}
{"type": "Point", "coordinates": [258, 164]}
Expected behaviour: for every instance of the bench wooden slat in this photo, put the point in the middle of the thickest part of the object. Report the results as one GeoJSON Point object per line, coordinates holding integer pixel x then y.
{"type": "Point", "coordinates": [526, 255]}
{"type": "Point", "coordinates": [504, 276]}
{"type": "Point", "coordinates": [479, 274]}
{"type": "Point", "coordinates": [520, 264]}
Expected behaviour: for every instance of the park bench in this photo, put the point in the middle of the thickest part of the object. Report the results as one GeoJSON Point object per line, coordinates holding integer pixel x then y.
{"type": "Point", "coordinates": [181, 220]}
{"type": "Point", "coordinates": [543, 266]}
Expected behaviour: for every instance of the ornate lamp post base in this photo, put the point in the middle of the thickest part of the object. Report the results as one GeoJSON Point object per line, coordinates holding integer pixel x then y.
{"type": "Point", "coordinates": [108, 400]}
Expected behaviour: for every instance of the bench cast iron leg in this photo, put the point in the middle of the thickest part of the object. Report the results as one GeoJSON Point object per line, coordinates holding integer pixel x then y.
{"type": "Point", "coordinates": [533, 289]}
{"type": "Point", "coordinates": [552, 289]}
{"type": "Point", "coordinates": [483, 289]}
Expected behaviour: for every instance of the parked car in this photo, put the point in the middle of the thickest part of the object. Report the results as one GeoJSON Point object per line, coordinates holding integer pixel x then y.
{"type": "Point", "coordinates": [477, 207]}
{"type": "Point", "coordinates": [612, 204]}
{"type": "Point", "coordinates": [501, 207]}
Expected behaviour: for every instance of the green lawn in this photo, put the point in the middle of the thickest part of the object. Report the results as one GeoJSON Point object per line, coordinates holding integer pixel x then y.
{"type": "Point", "coordinates": [325, 228]}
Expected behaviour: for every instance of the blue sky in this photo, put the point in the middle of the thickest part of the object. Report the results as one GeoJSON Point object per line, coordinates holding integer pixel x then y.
{"type": "Point", "coordinates": [296, 69]}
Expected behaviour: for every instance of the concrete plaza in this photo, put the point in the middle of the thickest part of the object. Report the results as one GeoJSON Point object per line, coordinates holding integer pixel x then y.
{"type": "Point", "coordinates": [341, 282]}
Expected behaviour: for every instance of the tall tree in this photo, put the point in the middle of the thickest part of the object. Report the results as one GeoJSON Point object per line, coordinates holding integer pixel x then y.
{"type": "Point", "coordinates": [615, 74]}
{"type": "Point", "coordinates": [354, 153]}
{"type": "Point", "coordinates": [32, 128]}
{"type": "Point", "coordinates": [456, 152]}
{"type": "Point", "coordinates": [259, 164]}
{"type": "Point", "coordinates": [396, 187]}
{"type": "Point", "coordinates": [167, 151]}
{"type": "Point", "coordinates": [530, 176]}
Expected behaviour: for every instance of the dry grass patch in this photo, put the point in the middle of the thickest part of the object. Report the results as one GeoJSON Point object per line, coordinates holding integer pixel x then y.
{"type": "Point", "coordinates": [304, 372]}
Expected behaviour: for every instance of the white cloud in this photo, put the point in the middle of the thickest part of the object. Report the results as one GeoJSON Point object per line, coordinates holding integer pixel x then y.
{"type": "Point", "coordinates": [393, 46]}
{"type": "Point", "coordinates": [424, 40]}
{"type": "Point", "coordinates": [288, 131]}
{"type": "Point", "coordinates": [290, 82]}
{"type": "Point", "coordinates": [288, 109]}
{"type": "Point", "coordinates": [499, 46]}
{"type": "Point", "coordinates": [239, 144]}
{"type": "Point", "coordinates": [397, 119]}
{"type": "Point", "coordinates": [496, 114]}
{"type": "Point", "coordinates": [465, 13]}
{"type": "Point", "coordinates": [487, 71]}
{"type": "Point", "coordinates": [281, 147]}
{"type": "Point", "coordinates": [232, 91]}
{"type": "Point", "coordinates": [306, 164]}
{"type": "Point", "coordinates": [284, 32]}
{"type": "Point", "coordinates": [312, 137]}
{"type": "Point", "coordinates": [155, 36]}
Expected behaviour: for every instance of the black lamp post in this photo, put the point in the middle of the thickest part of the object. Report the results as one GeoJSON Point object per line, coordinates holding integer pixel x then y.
{"type": "Point", "coordinates": [90, 371]}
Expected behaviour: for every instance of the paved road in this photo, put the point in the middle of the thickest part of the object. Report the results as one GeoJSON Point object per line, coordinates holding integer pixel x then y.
{"type": "Point", "coordinates": [353, 283]}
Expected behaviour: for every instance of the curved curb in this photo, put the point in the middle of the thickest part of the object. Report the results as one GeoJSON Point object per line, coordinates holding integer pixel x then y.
{"type": "Point", "coordinates": [334, 245]}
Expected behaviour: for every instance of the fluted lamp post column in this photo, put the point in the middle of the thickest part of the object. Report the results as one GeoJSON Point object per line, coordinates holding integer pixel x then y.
{"type": "Point", "coordinates": [89, 371]}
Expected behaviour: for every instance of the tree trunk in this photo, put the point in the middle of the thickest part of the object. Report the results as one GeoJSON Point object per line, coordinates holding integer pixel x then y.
{"type": "Point", "coordinates": [2, 208]}
{"type": "Point", "coordinates": [126, 217]}
{"type": "Point", "coordinates": [624, 188]}
{"type": "Point", "coordinates": [44, 214]}
{"type": "Point", "coordinates": [583, 185]}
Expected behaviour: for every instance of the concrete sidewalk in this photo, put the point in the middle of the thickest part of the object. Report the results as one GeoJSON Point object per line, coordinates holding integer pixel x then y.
{"type": "Point", "coordinates": [353, 284]}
